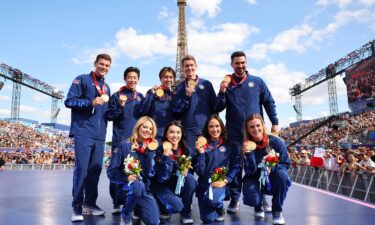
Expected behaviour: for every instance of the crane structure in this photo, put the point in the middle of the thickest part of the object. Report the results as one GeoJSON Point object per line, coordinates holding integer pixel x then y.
{"type": "Point", "coordinates": [19, 78]}
{"type": "Point", "coordinates": [328, 74]}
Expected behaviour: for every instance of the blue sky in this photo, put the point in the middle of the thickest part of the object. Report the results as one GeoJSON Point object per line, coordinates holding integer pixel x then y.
{"type": "Point", "coordinates": [286, 42]}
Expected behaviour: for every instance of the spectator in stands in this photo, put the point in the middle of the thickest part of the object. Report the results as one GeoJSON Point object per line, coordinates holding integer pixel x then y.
{"type": "Point", "coordinates": [304, 160]}
{"type": "Point", "coordinates": [366, 163]}
{"type": "Point", "coordinates": [330, 161]}
{"type": "Point", "coordinates": [350, 165]}
{"type": "Point", "coordinates": [2, 162]}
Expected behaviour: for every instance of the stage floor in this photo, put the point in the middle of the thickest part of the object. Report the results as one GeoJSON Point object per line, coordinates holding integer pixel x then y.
{"type": "Point", "coordinates": [44, 197]}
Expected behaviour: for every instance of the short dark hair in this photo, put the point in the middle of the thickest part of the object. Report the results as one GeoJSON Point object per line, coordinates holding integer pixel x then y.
{"type": "Point", "coordinates": [132, 69]}
{"type": "Point", "coordinates": [223, 134]}
{"type": "Point", "coordinates": [103, 56]}
{"type": "Point", "coordinates": [167, 69]}
{"type": "Point", "coordinates": [237, 54]}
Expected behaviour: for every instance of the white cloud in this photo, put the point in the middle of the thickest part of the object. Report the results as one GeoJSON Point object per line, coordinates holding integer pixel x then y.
{"type": "Point", "coordinates": [5, 112]}
{"type": "Point", "coordinates": [4, 98]}
{"type": "Point", "coordinates": [340, 3]}
{"type": "Point", "coordinates": [199, 8]}
{"type": "Point", "coordinates": [279, 79]}
{"type": "Point", "coordinates": [252, 2]}
{"type": "Point", "coordinates": [163, 13]}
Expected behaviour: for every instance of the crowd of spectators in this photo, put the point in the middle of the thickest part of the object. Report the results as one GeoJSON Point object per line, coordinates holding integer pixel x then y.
{"type": "Point", "coordinates": [347, 129]}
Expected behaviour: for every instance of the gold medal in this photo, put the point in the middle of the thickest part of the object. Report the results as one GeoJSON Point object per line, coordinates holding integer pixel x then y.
{"type": "Point", "coordinates": [123, 98]}
{"type": "Point", "coordinates": [276, 133]}
{"type": "Point", "coordinates": [159, 92]}
{"type": "Point", "coordinates": [202, 141]}
{"type": "Point", "coordinates": [167, 145]}
{"type": "Point", "coordinates": [249, 145]}
{"type": "Point", "coordinates": [191, 83]}
{"type": "Point", "coordinates": [153, 145]}
{"type": "Point", "coordinates": [105, 97]}
{"type": "Point", "coordinates": [227, 79]}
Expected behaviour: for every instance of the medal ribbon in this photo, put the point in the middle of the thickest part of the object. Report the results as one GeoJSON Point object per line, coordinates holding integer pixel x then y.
{"type": "Point", "coordinates": [196, 82]}
{"type": "Point", "coordinates": [234, 82]}
{"type": "Point", "coordinates": [102, 90]}
{"type": "Point", "coordinates": [179, 153]}
{"type": "Point", "coordinates": [213, 147]}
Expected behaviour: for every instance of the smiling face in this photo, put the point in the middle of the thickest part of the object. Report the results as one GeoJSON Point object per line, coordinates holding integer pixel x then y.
{"type": "Point", "coordinates": [189, 67]}
{"type": "Point", "coordinates": [102, 67]}
{"type": "Point", "coordinates": [145, 131]}
{"type": "Point", "coordinates": [239, 65]}
{"type": "Point", "coordinates": [131, 80]}
{"type": "Point", "coordinates": [214, 129]}
{"type": "Point", "coordinates": [167, 80]}
{"type": "Point", "coordinates": [174, 135]}
{"type": "Point", "coordinates": [255, 129]}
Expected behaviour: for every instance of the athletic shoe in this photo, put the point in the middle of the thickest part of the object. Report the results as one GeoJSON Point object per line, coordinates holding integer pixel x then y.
{"type": "Point", "coordinates": [278, 218]}
{"type": "Point", "coordinates": [220, 215]}
{"type": "Point", "coordinates": [77, 214]}
{"type": "Point", "coordinates": [93, 210]}
{"type": "Point", "coordinates": [258, 212]}
{"type": "Point", "coordinates": [266, 207]}
{"type": "Point", "coordinates": [116, 209]}
{"type": "Point", "coordinates": [186, 218]}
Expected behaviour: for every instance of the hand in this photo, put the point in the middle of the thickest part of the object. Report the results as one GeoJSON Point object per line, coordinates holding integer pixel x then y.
{"type": "Point", "coordinates": [275, 128]}
{"type": "Point", "coordinates": [154, 88]}
{"type": "Point", "coordinates": [223, 86]}
{"type": "Point", "coordinates": [132, 177]}
{"type": "Point", "coordinates": [167, 152]}
{"type": "Point", "coordinates": [122, 103]}
{"type": "Point", "coordinates": [269, 170]}
{"type": "Point", "coordinates": [199, 148]}
{"type": "Point", "coordinates": [97, 101]}
{"type": "Point", "coordinates": [218, 184]}
{"type": "Point", "coordinates": [189, 91]}
{"type": "Point", "coordinates": [185, 173]}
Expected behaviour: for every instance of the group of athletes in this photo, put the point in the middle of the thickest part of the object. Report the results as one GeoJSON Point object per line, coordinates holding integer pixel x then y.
{"type": "Point", "coordinates": [166, 124]}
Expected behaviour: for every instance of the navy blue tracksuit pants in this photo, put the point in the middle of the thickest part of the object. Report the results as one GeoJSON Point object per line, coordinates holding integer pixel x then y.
{"type": "Point", "coordinates": [88, 166]}
{"type": "Point", "coordinates": [253, 195]}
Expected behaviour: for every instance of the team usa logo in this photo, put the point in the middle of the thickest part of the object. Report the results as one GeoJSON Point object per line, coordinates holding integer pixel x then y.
{"type": "Point", "coordinates": [201, 86]}
{"type": "Point", "coordinates": [139, 98]}
{"type": "Point", "coordinates": [251, 84]}
{"type": "Point", "coordinates": [222, 149]}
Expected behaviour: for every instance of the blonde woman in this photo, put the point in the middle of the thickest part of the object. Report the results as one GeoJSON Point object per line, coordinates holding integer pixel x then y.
{"type": "Point", "coordinates": [263, 143]}
{"type": "Point", "coordinates": [135, 193]}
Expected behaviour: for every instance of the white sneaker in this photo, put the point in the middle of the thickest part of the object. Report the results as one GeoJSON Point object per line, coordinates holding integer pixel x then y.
{"type": "Point", "coordinates": [266, 207]}
{"type": "Point", "coordinates": [116, 209]}
{"type": "Point", "coordinates": [278, 218]}
{"type": "Point", "coordinates": [258, 212]}
{"type": "Point", "coordinates": [77, 215]}
{"type": "Point", "coordinates": [135, 217]}
{"type": "Point", "coordinates": [93, 210]}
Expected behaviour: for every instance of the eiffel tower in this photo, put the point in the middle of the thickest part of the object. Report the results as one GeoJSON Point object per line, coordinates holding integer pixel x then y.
{"type": "Point", "coordinates": [181, 40]}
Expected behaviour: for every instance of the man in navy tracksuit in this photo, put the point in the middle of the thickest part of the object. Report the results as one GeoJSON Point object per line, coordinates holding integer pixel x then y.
{"type": "Point", "coordinates": [123, 110]}
{"type": "Point", "coordinates": [194, 101]}
{"type": "Point", "coordinates": [87, 98]}
{"type": "Point", "coordinates": [158, 101]}
{"type": "Point", "coordinates": [243, 95]}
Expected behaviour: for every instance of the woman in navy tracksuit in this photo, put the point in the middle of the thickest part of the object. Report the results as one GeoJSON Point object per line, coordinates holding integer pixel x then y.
{"type": "Point", "coordinates": [216, 153]}
{"type": "Point", "coordinates": [167, 172]}
{"type": "Point", "coordinates": [135, 193]}
{"type": "Point", "coordinates": [158, 101]}
{"type": "Point", "coordinates": [255, 131]}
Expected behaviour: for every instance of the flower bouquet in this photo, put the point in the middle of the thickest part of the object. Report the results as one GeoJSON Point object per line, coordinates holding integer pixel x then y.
{"type": "Point", "coordinates": [132, 166]}
{"type": "Point", "coordinates": [220, 174]}
{"type": "Point", "coordinates": [268, 162]}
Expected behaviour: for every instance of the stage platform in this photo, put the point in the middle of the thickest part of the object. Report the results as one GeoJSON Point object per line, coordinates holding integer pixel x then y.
{"type": "Point", "coordinates": [44, 197]}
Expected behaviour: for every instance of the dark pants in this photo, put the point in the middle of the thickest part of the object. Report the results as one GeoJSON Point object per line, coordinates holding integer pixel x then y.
{"type": "Point", "coordinates": [208, 208]}
{"type": "Point", "coordinates": [136, 198]}
{"type": "Point", "coordinates": [88, 166]}
{"type": "Point", "coordinates": [235, 186]}
{"type": "Point", "coordinates": [253, 194]}
{"type": "Point", "coordinates": [173, 203]}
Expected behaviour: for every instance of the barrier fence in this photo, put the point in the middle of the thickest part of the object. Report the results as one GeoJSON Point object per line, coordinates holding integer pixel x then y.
{"type": "Point", "coordinates": [358, 185]}
{"type": "Point", "coordinates": [355, 185]}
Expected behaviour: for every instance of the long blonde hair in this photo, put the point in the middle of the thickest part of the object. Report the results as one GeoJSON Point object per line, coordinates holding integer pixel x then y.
{"type": "Point", "coordinates": [142, 120]}
{"type": "Point", "coordinates": [246, 134]}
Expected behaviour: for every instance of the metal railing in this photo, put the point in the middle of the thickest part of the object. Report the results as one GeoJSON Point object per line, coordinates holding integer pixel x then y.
{"type": "Point", "coordinates": [42, 167]}
{"type": "Point", "coordinates": [354, 185]}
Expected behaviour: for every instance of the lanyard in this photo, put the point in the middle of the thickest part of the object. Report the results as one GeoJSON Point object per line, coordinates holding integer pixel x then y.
{"type": "Point", "coordinates": [100, 90]}
{"type": "Point", "coordinates": [179, 153]}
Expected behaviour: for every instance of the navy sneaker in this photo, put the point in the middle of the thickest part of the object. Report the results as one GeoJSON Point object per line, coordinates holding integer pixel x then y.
{"type": "Point", "coordinates": [187, 218]}
{"type": "Point", "coordinates": [220, 215]}
{"type": "Point", "coordinates": [92, 210]}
